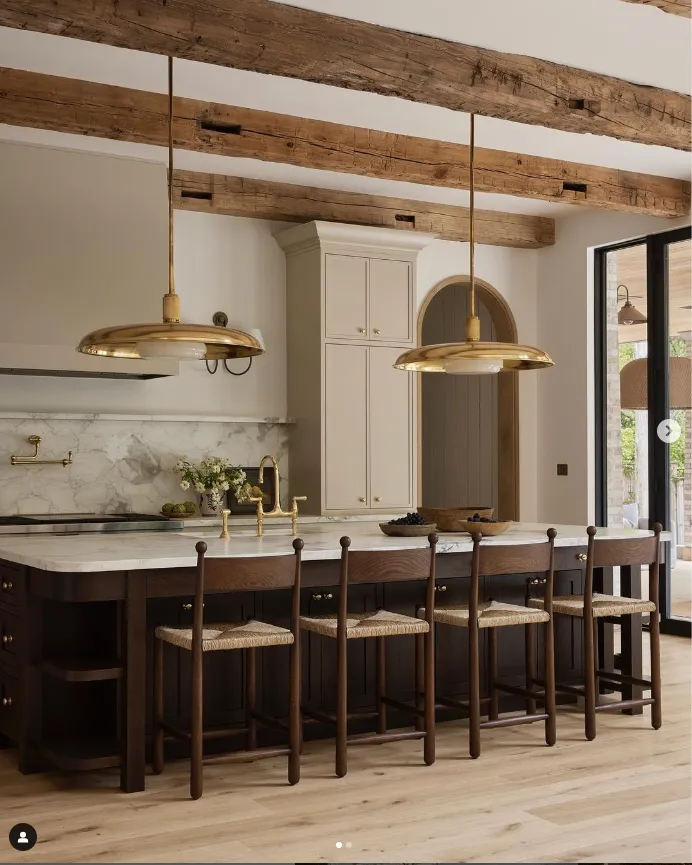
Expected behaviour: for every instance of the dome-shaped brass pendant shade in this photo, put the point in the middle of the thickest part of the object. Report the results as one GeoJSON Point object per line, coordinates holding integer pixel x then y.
{"type": "Point", "coordinates": [170, 338]}
{"type": "Point", "coordinates": [472, 357]}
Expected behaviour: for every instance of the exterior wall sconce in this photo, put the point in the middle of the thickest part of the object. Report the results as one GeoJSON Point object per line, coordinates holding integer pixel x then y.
{"type": "Point", "coordinates": [220, 319]}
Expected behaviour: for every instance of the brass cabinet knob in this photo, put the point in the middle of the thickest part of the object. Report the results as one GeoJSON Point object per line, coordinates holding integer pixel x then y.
{"type": "Point", "coordinates": [581, 557]}
{"type": "Point", "coordinates": [6, 586]}
{"type": "Point", "coordinates": [538, 581]}
{"type": "Point", "coordinates": [7, 701]}
{"type": "Point", "coordinates": [187, 606]}
{"type": "Point", "coordinates": [7, 638]}
{"type": "Point", "coordinates": [361, 499]}
{"type": "Point", "coordinates": [317, 597]}
{"type": "Point", "coordinates": [361, 330]}
{"type": "Point", "coordinates": [440, 588]}
{"type": "Point", "coordinates": [328, 596]}
{"type": "Point", "coordinates": [376, 330]}
{"type": "Point", "coordinates": [378, 498]}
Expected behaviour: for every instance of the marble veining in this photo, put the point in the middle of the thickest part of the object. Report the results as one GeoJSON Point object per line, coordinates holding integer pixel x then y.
{"type": "Point", "coordinates": [140, 550]}
{"type": "Point", "coordinates": [121, 466]}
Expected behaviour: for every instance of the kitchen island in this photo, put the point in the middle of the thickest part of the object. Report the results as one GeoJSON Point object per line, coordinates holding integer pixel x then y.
{"type": "Point", "coordinates": [78, 613]}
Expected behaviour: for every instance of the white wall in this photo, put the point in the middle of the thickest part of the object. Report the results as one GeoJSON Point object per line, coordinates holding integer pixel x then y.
{"type": "Point", "coordinates": [222, 263]}
{"type": "Point", "coordinates": [514, 273]}
{"type": "Point", "coordinates": [566, 332]}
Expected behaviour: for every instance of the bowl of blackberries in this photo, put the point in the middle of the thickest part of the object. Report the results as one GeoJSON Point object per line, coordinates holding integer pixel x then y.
{"type": "Point", "coordinates": [410, 526]}
{"type": "Point", "coordinates": [486, 526]}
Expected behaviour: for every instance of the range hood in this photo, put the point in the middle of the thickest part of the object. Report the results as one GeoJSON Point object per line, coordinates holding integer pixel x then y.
{"type": "Point", "coordinates": [83, 240]}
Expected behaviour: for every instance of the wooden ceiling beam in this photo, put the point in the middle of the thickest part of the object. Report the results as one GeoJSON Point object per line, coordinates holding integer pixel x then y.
{"type": "Point", "coordinates": [272, 38]}
{"type": "Point", "coordinates": [104, 111]}
{"type": "Point", "coordinates": [675, 7]}
{"type": "Point", "coordinates": [287, 202]}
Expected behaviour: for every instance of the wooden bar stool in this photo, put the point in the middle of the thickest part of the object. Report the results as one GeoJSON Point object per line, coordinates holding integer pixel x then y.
{"type": "Point", "coordinates": [489, 560]}
{"type": "Point", "coordinates": [592, 606]}
{"type": "Point", "coordinates": [224, 574]}
{"type": "Point", "coordinates": [373, 567]}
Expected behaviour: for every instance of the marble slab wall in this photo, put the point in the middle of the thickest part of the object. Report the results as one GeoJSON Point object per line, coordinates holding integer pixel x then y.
{"type": "Point", "coordinates": [121, 465]}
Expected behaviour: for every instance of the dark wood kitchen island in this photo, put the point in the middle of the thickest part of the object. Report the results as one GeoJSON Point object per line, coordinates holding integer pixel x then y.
{"type": "Point", "coordinates": [77, 614]}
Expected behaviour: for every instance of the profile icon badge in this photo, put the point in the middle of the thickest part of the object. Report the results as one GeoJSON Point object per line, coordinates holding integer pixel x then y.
{"type": "Point", "coordinates": [23, 836]}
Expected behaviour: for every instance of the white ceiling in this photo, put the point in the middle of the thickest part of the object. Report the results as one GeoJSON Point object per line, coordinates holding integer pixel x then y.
{"type": "Point", "coordinates": [626, 40]}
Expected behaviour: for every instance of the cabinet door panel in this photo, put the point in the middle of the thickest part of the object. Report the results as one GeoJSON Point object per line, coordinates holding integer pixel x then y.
{"type": "Point", "coordinates": [391, 428]}
{"type": "Point", "coordinates": [390, 300]}
{"type": "Point", "coordinates": [346, 432]}
{"type": "Point", "coordinates": [346, 279]}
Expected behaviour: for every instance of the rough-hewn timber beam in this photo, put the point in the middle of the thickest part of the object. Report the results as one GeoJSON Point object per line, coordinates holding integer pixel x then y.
{"type": "Point", "coordinates": [675, 7]}
{"type": "Point", "coordinates": [264, 36]}
{"type": "Point", "coordinates": [85, 108]}
{"type": "Point", "coordinates": [286, 202]}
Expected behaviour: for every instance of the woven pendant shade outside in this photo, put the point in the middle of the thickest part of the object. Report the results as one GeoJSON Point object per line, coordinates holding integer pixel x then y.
{"type": "Point", "coordinates": [633, 384]}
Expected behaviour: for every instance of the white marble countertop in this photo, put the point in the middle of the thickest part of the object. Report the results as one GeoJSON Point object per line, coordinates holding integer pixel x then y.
{"type": "Point", "coordinates": [122, 551]}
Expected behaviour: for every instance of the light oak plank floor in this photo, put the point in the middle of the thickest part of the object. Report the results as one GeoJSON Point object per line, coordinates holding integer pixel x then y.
{"type": "Point", "coordinates": [623, 798]}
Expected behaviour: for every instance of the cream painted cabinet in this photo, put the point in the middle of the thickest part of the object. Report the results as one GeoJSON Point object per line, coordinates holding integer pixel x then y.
{"type": "Point", "coordinates": [346, 427]}
{"type": "Point", "coordinates": [350, 312]}
{"type": "Point", "coordinates": [390, 430]}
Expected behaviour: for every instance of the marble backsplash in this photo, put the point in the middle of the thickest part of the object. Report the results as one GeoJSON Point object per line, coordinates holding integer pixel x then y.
{"type": "Point", "coordinates": [121, 464]}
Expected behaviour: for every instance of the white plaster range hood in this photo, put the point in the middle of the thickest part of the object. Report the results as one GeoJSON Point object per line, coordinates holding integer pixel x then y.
{"type": "Point", "coordinates": [83, 240]}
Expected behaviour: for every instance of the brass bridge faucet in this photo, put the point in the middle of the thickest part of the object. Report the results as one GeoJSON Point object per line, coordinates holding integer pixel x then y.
{"type": "Point", "coordinates": [276, 510]}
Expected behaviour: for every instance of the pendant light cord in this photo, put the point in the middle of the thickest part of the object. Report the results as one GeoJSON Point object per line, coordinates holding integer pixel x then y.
{"type": "Point", "coordinates": [171, 278]}
{"type": "Point", "coordinates": [472, 290]}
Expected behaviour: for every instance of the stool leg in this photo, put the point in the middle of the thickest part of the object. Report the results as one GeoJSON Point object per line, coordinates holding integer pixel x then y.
{"type": "Point", "coordinates": [549, 676]}
{"type": "Point", "coordinates": [157, 756]}
{"type": "Point", "coordinates": [294, 719]}
{"type": "Point", "coordinates": [250, 698]}
{"type": "Point", "coordinates": [429, 677]}
{"type": "Point", "coordinates": [492, 673]}
{"type": "Point", "coordinates": [474, 693]}
{"type": "Point", "coordinates": [530, 657]}
{"type": "Point", "coordinates": [341, 706]}
{"type": "Point", "coordinates": [655, 644]}
{"type": "Point", "coordinates": [380, 680]}
{"type": "Point", "coordinates": [196, 740]}
{"type": "Point", "coordinates": [590, 681]}
{"type": "Point", "coordinates": [420, 678]}
{"type": "Point", "coordinates": [596, 668]}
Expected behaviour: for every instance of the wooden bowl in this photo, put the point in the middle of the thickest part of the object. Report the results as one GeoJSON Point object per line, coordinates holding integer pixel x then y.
{"type": "Point", "coordinates": [401, 531]}
{"type": "Point", "coordinates": [452, 519]}
{"type": "Point", "coordinates": [486, 529]}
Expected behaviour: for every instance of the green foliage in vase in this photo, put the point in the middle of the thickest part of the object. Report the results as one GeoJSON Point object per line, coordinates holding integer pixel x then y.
{"type": "Point", "coordinates": [214, 475]}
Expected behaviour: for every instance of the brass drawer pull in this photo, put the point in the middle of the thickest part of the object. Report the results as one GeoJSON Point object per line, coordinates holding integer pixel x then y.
{"type": "Point", "coordinates": [582, 557]}
{"type": "Point", "coordinates": [7, 638]}
{"type": "Point", "coordinates": [376, 330]}
{"type": "Point", "coordinates": [361, 330]}
{"type": "Point", "coordinates": [538, 581]}
{"type": "Point", "coordinates": [187, 606]}
{"type": "Point", "coordinates": [361, 499]}
{"type": "Point", "coordinates": [378, 498]}
{"type": "Point", "coordinates": [327, 596]}
{"type": "Point", "coordinates": [440, 588]}
{"type": "Point", "coordinates": [6, 586]}
{"type": "Point", "coordinates": [317, 597]}
{"type": "Point", "coordinates": [7, 701]}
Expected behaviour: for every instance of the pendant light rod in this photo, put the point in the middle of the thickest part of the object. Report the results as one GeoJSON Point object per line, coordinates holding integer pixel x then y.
{"type": "Point", "coordinates": [472, 257]}
{"type": "Point", "coordinates": [171, 301]}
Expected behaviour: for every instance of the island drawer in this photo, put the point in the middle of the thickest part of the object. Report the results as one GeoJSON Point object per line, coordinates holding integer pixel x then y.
{"type": "Point", "coordinates": [11, 582]}
{"type": "Point", "coordinates": [10, 637]}
{"type": "Point", "coordinates": [9, 707]}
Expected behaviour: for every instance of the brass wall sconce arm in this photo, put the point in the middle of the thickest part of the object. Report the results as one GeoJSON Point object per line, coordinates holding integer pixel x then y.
{"type": "Point", "coordinates": [33, 460]}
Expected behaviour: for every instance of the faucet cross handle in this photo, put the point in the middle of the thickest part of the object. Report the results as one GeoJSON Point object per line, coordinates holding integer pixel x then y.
{"type": "Point", "coordinates": [294, 512]}
{"type": "Point", "coordinates": [224, 536]}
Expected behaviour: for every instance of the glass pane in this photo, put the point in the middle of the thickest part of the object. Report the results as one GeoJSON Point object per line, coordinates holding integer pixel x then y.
{"type": "Point", "coordinates": [627, 443]}
{"type": "Point", "coordinates": [680, 453]}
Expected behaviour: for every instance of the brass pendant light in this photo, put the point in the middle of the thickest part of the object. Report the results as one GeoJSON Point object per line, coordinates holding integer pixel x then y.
{"type": "Point", "coordinates": [473, 357]}
{"type": "Point", "coordinates": [170, 338]}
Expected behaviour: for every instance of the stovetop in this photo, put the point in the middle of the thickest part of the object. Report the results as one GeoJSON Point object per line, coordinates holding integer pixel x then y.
{"type": "Point", "coordinates": [74, 523]}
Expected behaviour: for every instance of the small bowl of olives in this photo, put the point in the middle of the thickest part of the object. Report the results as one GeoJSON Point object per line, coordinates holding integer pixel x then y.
{"type": "Point", "coordinates": [486, 526]}
{"type": "Point", "coordinates": [411, 526]}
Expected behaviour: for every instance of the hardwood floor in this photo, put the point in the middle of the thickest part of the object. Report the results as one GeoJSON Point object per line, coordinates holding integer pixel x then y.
{"type": "Point", "coordinates": [623, 798]}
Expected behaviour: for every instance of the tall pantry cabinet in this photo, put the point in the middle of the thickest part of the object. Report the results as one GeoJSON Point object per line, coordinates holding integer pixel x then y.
{"type": "Point", "coordinates": [351, 311]}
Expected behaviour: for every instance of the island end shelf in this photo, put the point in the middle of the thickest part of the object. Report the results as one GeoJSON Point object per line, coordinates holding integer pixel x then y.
{"type": "Point", "coordinates": [76, 652]}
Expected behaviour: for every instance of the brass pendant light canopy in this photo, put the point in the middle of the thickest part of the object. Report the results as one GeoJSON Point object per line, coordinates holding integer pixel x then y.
{"type": "Point", "coordinates": [170, 338]}
{"type": "Point", "coordinates": [473, 357]}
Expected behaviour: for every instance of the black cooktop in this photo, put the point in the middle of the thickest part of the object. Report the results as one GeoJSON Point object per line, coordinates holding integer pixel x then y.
{"type": "Point", "coordinates": [64, 519]}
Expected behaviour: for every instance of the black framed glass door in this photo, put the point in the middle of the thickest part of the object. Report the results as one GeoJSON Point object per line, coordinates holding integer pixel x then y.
{"type": "Point", "coordinates": [644, 399]}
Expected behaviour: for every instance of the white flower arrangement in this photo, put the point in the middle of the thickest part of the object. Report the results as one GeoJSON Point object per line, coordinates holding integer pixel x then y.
{"type": "Point", "coordinates": [214, 475]}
